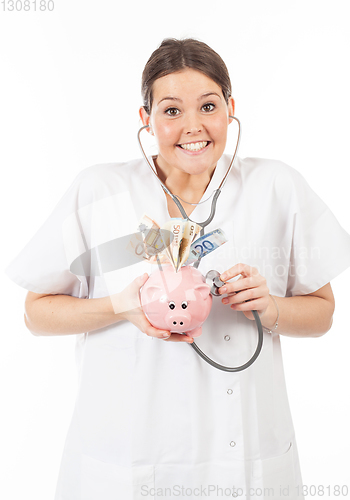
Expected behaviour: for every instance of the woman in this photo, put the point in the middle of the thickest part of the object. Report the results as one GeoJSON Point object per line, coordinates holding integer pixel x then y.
{"type": "Point", "coordinates": [152, 419]}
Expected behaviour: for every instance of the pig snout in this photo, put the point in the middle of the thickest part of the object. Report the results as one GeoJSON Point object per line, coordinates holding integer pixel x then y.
{"type": "Point", "coordinates": [178, 321]}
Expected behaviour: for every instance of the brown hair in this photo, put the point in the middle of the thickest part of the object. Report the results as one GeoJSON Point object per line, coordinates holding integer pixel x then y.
{"type": "Point", "coordinates": [174, 55]}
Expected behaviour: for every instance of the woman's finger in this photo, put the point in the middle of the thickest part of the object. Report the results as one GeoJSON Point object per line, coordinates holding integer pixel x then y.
{"type": "Point", "coordinates": [236, 298]}
{"type": "Point", "coordinates": [243, 284]}
{"type": "Point", "coordinates": [242, 269]}
{"type": "Point", "coordinates": [151, 331]}
{"type": "Point", "coordinates": [180, 337]}
{"type": "Point", "coordinates": [165, 335]}
{"type": "Point", "coordinates": [249, 294]}
{"type": "Point", "coordinates": [234, 286]}
{"type": "Point", "coordinates": [253, 305]}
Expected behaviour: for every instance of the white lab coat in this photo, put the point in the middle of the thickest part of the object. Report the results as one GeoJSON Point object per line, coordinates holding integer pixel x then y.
{"type": "Point", "coordinates": [152, 419]}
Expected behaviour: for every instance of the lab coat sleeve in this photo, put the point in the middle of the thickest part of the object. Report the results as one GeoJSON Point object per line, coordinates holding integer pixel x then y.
{"type": "Point", "coordinates": [320, 247]}
{"type": "Point", "coordinates": [43, 265]}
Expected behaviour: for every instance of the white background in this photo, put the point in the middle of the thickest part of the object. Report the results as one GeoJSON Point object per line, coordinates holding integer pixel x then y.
{"type": "Point", "coordinates": [69, 98]}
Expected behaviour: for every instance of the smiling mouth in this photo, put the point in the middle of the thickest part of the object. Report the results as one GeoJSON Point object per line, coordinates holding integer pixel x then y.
{"type": "Point", "coordinates": [194, 146]}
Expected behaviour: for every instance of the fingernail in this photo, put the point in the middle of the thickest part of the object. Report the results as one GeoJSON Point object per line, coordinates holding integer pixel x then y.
{"type": "Point", "coordinates": [166, 335]}
{"type": "Point", "coordinates": [223, 277]}
{"type": "Point", "coordinates": [223, 289]}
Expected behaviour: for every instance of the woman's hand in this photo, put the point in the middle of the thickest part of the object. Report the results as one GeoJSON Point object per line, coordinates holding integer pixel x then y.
{"type": "Point", "coordinates": [129, 305]}
{"type": "Point", "coordinates": [246, 294]}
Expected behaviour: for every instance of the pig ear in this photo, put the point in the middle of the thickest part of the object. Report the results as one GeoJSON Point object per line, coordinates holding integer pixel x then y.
{"type": "Point", "coordinates": [203, 289]}
{"type": "Point", "coordinates": [152, 292]}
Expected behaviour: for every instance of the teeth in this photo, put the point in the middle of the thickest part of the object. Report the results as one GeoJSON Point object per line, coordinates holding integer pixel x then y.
{"type": "Point", "coordinates": [194, 146]}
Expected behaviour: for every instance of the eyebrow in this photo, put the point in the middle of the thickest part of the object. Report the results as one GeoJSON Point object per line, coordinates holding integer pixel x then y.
{"type": "Point", "coordinates": [170, 98]}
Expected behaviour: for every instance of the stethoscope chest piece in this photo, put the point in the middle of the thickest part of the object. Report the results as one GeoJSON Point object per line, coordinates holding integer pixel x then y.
{"type": "Point", "coordinates": [212, 278]}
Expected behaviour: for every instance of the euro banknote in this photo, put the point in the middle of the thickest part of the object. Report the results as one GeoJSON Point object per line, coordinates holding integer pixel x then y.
{"type": "Point", "coordinates": [206, 244]}
{"type": "Point", "coordinates": [170, 243]}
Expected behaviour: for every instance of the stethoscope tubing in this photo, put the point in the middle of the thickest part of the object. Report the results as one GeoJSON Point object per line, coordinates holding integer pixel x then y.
{"type": "Point", "coordinates": [235, 368]}
{"type": "Point", "coordinates": [196, 264]}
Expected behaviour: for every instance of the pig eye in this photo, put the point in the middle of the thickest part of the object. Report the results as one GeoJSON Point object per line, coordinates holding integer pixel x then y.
{"type": "Point", "coordinates": [172, 305]}
{"type": "Point", "coordinates": [184, 305]}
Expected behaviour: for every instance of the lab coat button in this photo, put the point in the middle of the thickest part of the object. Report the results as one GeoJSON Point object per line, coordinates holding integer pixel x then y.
{"type": "Point", "coordinates": [227, 337]}
{"type": "Point", "coordinates": [232, 444]}
{"type": "Point", "coordinates": [229, 391]}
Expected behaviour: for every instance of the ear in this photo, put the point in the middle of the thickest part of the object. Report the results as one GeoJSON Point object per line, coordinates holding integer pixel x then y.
{"type": "Point", "coordinates": [145, 118]}
{"type": "Point", "coordinates": [203, 289]}
{"type": "Point", "coordinates": [231, 108]}
{"type": "Point", "coordinates": [152, 293]}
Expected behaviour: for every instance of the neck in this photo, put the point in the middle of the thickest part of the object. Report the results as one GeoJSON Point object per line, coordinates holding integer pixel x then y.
{"type": "Point", "coordinates": [187, 186]}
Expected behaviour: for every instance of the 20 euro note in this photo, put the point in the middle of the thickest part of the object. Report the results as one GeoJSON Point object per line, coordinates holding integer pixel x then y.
{"type": "Point", "coordinates": [206, 244]}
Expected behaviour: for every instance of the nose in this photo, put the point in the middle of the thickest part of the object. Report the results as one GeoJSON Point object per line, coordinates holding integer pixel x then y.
{"type": "Point", "coordinates": [192, 124]}
{"type": "Point", "coordinates": [194, 130]}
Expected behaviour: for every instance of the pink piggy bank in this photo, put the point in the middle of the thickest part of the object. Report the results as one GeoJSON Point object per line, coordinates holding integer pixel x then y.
{"type": "Point", "coordinates": [178, 302]}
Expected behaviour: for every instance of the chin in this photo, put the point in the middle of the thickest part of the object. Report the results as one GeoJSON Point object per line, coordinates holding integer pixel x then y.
{"type": "Point", "coordinates": [197, 168]}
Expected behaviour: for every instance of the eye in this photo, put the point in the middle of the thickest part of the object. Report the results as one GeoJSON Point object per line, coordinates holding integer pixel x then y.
{"type": "Point", "coordinates": [172, 305]}
{"type": "Point", "coordinates": [209, 106]}
{"type": "Point", "coordinates": [184, 305]}
{"type": "Point", "coordinates": [172, 111]}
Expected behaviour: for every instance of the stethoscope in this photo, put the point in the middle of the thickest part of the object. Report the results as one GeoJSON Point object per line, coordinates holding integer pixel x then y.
{"type": "Point", "coordinates": [212, 277]}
